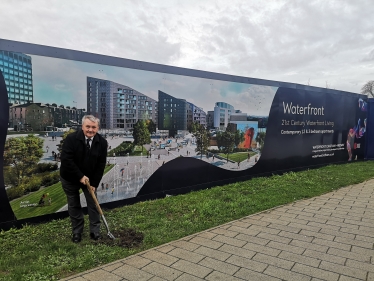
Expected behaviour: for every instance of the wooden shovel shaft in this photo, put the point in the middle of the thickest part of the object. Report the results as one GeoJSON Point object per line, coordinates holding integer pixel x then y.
{"type": "Point", "coordinates": [111, 236]}
{"type": "Point", "coordinates": [94, 198]}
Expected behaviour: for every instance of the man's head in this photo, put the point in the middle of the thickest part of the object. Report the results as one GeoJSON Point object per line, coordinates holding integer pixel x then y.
{"type": "Point", "coordinates": [90, 125]}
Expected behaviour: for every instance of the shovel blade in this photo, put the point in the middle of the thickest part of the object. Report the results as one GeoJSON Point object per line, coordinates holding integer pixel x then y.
{"type": "Point", "coordinates": [111, 236]}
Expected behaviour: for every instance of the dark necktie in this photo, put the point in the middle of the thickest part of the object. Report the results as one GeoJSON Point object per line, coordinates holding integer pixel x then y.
{"type": "Point", "coordinates": [88, 144]}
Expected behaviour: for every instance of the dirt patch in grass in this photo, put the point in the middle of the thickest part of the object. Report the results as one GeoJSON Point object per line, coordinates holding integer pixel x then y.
{"type": "Point", "coordinates": [127, 238]}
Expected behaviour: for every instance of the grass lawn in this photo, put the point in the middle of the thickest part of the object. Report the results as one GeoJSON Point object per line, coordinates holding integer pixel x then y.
{"type": "Point", "coordinates": [56, 193]}
{"type": "Point", "coordinates": [138, 151]}
{"type": "Point", "coordinates": [45, 252]}
{"type": "Point", "coordinates": [238, 156]}
{"type": "Point", "coordinates": [108, 168]}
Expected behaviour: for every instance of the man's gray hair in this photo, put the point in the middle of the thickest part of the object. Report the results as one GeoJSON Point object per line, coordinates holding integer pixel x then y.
{"type": "Point", "coordinates": [91, 118]}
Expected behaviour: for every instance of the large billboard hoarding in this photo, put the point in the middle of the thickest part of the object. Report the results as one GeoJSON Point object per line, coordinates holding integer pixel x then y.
{"type": "Point", "coordinates": [204, 128]}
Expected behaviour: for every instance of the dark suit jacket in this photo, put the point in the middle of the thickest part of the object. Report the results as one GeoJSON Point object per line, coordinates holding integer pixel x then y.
{"type": "Point", "coordinates": [75, 165]}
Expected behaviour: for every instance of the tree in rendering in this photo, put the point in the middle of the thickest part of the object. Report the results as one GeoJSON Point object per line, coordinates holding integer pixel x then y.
{"type": "Point", "coordinates": [368, 89]}
{"type": "Point", "coordinates": [192, 127]}
{"type": "Point", "coordinates": [260, 139]}
{"type": "Point", "coordinates": [238, 134]}
{"type": "Point", "coordinates": [226, 142]}
{"type": "Point", "coordinates": [202, 138]}
{"type": "Point", "coordinates": [22, 154]}
{"type": "Point", "coordinates": [63, 137]}
{"type": "Point", "coordinates": [151, 126]}
{"type": "Point", "coordinates": [141, 134]}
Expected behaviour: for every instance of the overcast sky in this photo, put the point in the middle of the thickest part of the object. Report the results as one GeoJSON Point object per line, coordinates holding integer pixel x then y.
{"type": "Point", "coordinates": [323, 43]}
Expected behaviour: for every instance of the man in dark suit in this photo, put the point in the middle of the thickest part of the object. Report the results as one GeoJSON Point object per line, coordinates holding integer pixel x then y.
{"type": "Point", "coordinates": [83, 158]}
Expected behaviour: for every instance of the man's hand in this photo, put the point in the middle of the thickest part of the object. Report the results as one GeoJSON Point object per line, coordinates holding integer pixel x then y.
{"type": "Point", "coordinates": [84, 179]}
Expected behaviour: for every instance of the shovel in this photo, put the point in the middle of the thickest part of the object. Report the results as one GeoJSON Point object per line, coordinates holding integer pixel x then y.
{"type": "Point", "coordinates": [111, 236]}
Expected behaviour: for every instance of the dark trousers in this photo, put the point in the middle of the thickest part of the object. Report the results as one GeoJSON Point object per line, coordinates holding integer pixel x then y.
{"type": "Point", "coordinates": [75, 210]}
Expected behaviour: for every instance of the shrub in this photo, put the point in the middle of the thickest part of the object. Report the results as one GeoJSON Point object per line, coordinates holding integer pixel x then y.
{"type": "Point", "coordinates": [33, 184]}
{"type": "Point", "coordinates": [122, 150]}
{"type": "Point", "coordinates": [15, 192]}
{"type": "Point", "coordinates": [48, 179]}
{"type": "Point", "coordinates": [10, 177]}
{"type": "Point", "coordinates": [45, 167]}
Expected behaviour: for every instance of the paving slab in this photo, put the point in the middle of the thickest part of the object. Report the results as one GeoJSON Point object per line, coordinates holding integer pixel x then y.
{"type": "Point", "coordinates": [329, 237]}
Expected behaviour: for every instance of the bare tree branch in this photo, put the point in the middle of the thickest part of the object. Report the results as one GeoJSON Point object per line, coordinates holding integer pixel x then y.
{"type": "Point", "coordinates": [368, 89]}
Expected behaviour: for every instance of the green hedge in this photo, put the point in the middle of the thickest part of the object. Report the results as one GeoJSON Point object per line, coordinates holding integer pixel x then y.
{"type": "Point", "coordinates": [50, 178]}
{"type": "Point", "coordinates": [122, 150]}
{"type": "Point", "coordinates": [15, 192]}
{"type": "Point", "coordinates": [31, 184]}
{"type": "Point", "coordinates": [45, 167]}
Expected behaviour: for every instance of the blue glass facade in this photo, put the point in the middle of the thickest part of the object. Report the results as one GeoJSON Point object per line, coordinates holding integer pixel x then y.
{"type": "Point", "coordinates": [172, 113]}
{"type": "Point", "coordinates": [17, 71]}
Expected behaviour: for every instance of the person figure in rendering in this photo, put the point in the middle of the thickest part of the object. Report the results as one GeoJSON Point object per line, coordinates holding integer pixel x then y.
{"type": "Point", "coordinates": [42, 200]}
{"type": "Point", "coordinates": [83, 159]}
{"type": "Point", "coordinates": [350, 143]}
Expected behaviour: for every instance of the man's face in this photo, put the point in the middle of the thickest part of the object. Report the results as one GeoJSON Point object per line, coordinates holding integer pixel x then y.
{"type": "Point", "coordinates": [90, 128]}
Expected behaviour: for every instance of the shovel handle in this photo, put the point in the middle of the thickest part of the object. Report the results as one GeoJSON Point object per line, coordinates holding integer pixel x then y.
{"type": "Point", "coordinates": [94, 197]}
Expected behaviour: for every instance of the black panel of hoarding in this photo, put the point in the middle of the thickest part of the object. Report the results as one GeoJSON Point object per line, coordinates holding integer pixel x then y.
{"type": "Point", "coordinates": [369, 154]}
{"type": "Point", "coordinates": [6, 212]}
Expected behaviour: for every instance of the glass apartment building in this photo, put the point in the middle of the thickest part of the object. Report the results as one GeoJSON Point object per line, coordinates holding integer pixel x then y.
{"type": "Point", "coordinates": [17, 71]}
{"type": "Point", "coordinates": [118, 106]}
{"type": "Point", "coordinates": [172, 113]}
{"type": "Point", "coordinates": [176, 114]}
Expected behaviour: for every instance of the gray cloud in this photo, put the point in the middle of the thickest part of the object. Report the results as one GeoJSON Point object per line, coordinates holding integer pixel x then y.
{"type": "Point", "coordinates": [323, 42]}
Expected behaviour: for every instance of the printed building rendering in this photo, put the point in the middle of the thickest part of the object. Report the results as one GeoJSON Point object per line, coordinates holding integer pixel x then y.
{"type": "Point", "coordinates": [117, 105]}
{"type": "Point", "coordinates": [17, 71]}
{"type": "Point", "coordinates": [223, 115]}
{"type": "Point", "coordinates": [176, 114]}
{"type": "Point", "coordinates": [195, 114]}
{"type": "Point", "coordinates": [40, 116]}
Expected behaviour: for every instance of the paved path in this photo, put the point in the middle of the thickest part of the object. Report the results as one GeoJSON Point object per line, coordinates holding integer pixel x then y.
{"type": "Point", "coordinates": [329, 237]}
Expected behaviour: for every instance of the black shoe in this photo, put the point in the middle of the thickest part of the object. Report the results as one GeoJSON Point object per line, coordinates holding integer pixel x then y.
{"type": "Point", "coordinates": [77, 237]}
{"type": "Point", "coordinates": [95, 235]}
